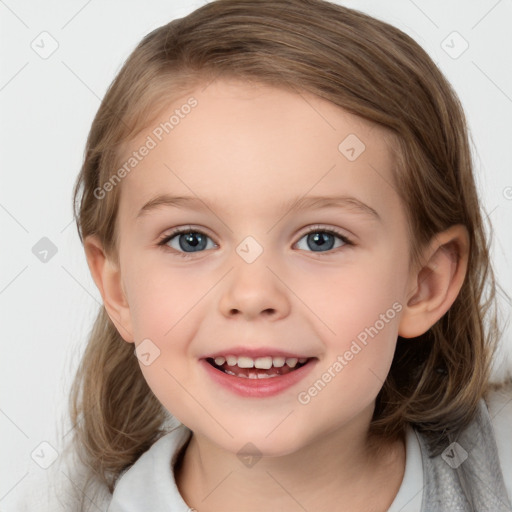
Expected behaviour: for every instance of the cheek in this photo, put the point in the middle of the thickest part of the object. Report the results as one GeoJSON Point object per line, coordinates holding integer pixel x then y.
{"type": "Point", "coordinates": [363, 311]}
{"type": "Point", "coordinates": [361, 306]}
{"type": "Point", "coordinates": [163, 312]}
{"type": "Point", "coordinates": [160, 297]}
{"type": "Point", "coordinates": [355, 296]}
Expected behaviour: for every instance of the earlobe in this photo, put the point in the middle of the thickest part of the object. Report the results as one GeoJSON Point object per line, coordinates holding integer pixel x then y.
{"type": "Point", "coordinates": [437, 283]}
{"type": "Point", "coordinates": [107, 277]}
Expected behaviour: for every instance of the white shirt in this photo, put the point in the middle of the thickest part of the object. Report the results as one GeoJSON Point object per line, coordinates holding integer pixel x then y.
{"type": "Point", "coordinates": [149, 484]}
{"type": "Point", "coordinates": [138, 489]}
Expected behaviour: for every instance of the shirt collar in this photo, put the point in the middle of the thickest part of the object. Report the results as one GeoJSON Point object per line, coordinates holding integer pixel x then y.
{"type": "Point", "coordinates": [150, 485]}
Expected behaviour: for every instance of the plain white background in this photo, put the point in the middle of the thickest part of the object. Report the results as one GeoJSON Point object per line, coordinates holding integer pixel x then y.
{"type": "Point", "coordinates": [47, 105]}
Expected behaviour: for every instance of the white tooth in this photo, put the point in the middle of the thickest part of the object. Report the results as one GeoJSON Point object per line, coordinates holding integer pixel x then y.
{"type": "Point", "coordinates": [219, 361]}
{"type": "Point", "coordinates": [231, 360]}
{"type": "Point", "coordinates": [264, 363]}
{"type": "Point", "coordinates": [245, 362]}
{"type": "Point", "coordinates": [278, 361]}
{"type": "Point", "coordinates": [265, 376]}
{"type": "Point", "coordinates": [303, 360]}
{"type": "Point", "coordinates": [291, 362]}
{"type": "Point", "coordinates": [229, 372]}
{"type": "Point", "coordinates": [253, 376]}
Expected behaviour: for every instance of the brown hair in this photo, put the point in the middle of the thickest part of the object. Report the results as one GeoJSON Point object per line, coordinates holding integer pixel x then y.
{"type": "Point", "coordinates": [370, 69]}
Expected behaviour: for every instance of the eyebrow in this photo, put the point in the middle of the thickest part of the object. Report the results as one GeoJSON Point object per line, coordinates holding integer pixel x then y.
{"type": "Point", "coordinates": [314, 202]}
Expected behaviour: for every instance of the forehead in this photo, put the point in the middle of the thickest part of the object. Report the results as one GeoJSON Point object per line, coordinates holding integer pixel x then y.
{"type": "Point", "coordinates": [233, 141]}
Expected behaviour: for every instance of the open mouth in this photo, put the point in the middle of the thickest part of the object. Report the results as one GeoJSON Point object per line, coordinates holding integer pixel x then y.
{"type": "Point", "coordinates": [259, 368]}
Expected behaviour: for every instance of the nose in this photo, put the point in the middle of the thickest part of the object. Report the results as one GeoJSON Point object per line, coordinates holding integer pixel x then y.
{"type": "Point", "coordinates": [253, 290]}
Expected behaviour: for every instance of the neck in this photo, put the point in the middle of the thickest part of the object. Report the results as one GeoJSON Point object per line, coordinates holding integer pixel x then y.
{"type": "Point", "coordinates": [333, 472]}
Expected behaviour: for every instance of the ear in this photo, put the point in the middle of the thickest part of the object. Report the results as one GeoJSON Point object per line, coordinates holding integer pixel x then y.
{"type": "Point", "coordinates": [107, 276]}
{"type": "Point", "coordinates": [437, 283]}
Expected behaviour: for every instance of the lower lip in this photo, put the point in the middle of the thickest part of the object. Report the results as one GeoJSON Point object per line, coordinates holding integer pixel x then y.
{"type": "Point", "coordinates": [258, 388]}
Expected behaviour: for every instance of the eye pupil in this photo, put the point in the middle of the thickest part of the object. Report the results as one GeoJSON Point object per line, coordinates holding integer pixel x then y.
{"type": "Point", "coordinates": [324, 241]}
{"type": "Point", "coordinates": [196, 241]}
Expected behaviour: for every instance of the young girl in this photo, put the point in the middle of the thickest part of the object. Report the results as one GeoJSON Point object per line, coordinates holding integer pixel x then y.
{"type": "Point", "coordinates": [278, 207]}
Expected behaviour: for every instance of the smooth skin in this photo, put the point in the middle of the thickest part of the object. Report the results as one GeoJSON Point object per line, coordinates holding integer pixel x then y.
{"type": "Point", "coordinates": [249, 152]}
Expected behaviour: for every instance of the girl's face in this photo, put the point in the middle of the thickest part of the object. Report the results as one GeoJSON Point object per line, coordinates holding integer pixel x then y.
{"type": "Point", "coordinates": [295, 248]}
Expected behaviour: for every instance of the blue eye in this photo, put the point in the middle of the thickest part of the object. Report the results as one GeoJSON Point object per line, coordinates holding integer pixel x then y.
{"type": "Point", "coordinates": [187, 241]}
{"type": "Point", "coordinates": [323, 240]}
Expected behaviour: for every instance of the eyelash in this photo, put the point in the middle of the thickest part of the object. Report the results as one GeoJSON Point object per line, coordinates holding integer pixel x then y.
{"type": "Point", "coordinates": [313, 229]}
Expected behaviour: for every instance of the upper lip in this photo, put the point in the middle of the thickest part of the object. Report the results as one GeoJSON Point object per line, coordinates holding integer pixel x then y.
{"type": "Point", "coordinates": [254, 353]}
